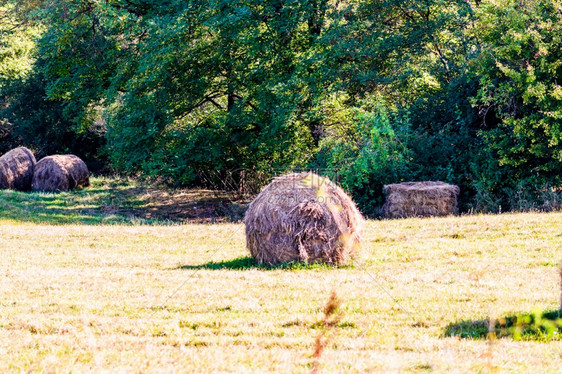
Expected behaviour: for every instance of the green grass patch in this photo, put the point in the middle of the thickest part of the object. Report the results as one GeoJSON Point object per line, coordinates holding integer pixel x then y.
{"type": "Point", "coordinates": [106, 201]}
{"type": "Point", "coordinates": [539, 326]}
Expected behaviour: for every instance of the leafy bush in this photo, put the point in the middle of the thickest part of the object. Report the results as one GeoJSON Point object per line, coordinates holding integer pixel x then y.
{"type": "Point", "coordinates": [364, 147]}
{"type": "Point", "coordinates": [520, 94]}
{"type": "Point", "coordinates": [44, 126]}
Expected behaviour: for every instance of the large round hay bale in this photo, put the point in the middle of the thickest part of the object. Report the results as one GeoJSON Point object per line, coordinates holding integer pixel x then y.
{"type": "Point", "coordinates": [303, 217]}
{"type": "Point", "coordinates": [60, 173]}
{"type": "Point", "coordinates": [16, 169]}
{"type": "Point", "coordinates": [420, 199]}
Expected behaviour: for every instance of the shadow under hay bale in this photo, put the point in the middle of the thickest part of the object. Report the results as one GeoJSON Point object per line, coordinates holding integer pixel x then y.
{"type": "Point", "coordinates": [60, 173]}
{"type": "Point", "coordinates": [303, 217]}
{"type": "Point", "coordinates": [16, 169]}
{"type": "Point", "coordinates": [420, 199]}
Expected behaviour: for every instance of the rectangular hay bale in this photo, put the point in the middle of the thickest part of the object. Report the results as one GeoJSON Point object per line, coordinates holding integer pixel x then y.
{"type": "Point", "coordinates": [420, 199]}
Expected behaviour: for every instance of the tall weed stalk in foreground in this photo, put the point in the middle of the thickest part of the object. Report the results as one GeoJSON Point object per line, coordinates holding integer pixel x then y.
{"type": "Point", "coordinates": [332, 316]}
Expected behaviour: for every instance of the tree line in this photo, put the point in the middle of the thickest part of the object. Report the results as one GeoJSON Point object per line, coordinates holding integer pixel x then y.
{"type": "Point", "coordinates": [369, 92]}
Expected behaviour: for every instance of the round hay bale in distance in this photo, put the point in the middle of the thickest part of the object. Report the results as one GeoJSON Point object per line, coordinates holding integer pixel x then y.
{"type": "Point", "coordinates": [303, 217]}
{"type": "Point", "coordinates": [16, 169]}
{"type": "Point", "coordinates": [59, 173]}
{"type": "Point", "coordinates": [420, 199]}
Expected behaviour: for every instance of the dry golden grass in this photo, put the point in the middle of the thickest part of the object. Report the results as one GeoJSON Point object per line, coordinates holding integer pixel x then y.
{"type": "Point", "coordinates": [155, 299]}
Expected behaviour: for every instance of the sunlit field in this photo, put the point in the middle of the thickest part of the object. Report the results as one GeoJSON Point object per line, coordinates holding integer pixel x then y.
{"type": "Point", "coordinates": [141, 296]}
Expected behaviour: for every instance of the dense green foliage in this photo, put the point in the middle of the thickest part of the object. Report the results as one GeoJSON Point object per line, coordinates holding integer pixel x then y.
{"type": "Point", "coordinates": [519, 69]}
{"type": "Point", "coordinates": [369, 92]}
{"type": "Point", "coordinates": [31, 115]}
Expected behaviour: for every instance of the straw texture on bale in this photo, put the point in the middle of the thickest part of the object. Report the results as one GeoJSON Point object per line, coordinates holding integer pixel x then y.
{"type": "Point", "coordinates": [303, 217]}
{"type": "Point", "coordinates": [16, 169]}
{"type": "Point", "coordinates": [420, 199]}
{"type": "Point", "coordinates": [60, 173]}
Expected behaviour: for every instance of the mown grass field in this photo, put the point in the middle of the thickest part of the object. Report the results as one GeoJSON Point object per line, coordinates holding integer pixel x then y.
{"type": "Point", "coordinates": [85, 289]}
